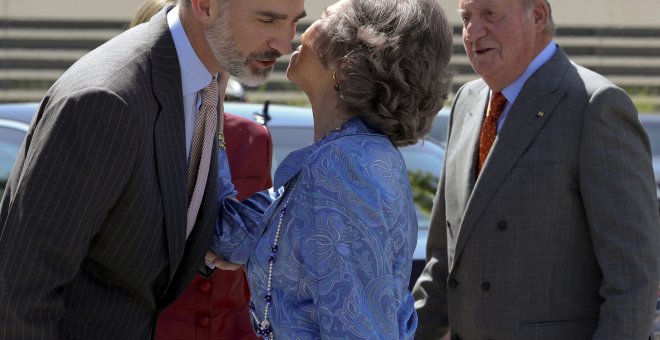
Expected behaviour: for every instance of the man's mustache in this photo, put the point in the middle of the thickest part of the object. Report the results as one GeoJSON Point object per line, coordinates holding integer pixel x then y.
{"type": "Point", "coordinates": [268, 55]}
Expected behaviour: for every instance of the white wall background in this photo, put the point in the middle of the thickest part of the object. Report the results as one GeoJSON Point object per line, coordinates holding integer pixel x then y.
{"type": "Point", "coordinates": [609, 13]}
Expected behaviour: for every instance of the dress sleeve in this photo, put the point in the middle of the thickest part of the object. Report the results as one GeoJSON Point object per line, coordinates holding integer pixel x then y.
{"type": "Point", "coordinates": [239, 224]}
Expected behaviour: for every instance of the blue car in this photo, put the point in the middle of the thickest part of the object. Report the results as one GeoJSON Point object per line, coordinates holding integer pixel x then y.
{"type": "Point", "coordinates": [14, 123]}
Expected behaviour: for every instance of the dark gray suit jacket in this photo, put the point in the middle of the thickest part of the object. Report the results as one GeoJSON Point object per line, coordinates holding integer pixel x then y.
{"type": "Point", "coordinates": [93, 220]}
{"type": "Point", "coordinates": [559, 236]}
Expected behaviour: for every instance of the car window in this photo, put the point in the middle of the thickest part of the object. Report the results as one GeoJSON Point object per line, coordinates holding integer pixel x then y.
{"type": "Point", "coordinates": [423, 161]}
{"type": "Point", "coordinates": [10, 142]}
{"type": "Point", "coordinates": [439, 129]}
{"type": "Point", "coordinates": [287, 140]}
{"type": "Point", "coordinates": [653, 131]}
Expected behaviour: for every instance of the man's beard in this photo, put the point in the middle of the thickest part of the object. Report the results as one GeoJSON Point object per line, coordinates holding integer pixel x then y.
{"type": "Point", "coordinates": [223, 45]}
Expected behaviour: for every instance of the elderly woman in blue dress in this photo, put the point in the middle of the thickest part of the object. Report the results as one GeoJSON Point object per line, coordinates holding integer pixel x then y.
{"type": "Point", "coordinates": [329, 255]}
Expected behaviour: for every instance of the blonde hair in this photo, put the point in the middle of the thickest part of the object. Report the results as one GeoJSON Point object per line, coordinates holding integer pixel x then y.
{"type": "Point", "coordinates": [148, 9]}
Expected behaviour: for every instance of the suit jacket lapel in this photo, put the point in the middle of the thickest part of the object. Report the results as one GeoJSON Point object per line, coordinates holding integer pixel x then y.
{"type": "Point", "coordinates": [474, 105]}
{"type": "Point", "coordinates": [169, 134]}
{"type": "Point", "coordinates": [532, 109]}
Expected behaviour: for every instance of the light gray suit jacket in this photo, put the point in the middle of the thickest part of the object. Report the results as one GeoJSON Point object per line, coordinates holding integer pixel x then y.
{"type": "Point", "coordinates": [93, 220]}
{"type": "Point", "coordinates": [559, 236]}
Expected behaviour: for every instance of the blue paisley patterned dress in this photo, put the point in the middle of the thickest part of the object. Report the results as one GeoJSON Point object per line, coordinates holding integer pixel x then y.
{"type": "Point", "coordinates": [346, 242]}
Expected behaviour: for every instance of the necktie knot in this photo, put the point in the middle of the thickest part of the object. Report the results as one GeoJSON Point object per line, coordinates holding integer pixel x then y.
{"type": "Point", "coordinates": [496, 105]}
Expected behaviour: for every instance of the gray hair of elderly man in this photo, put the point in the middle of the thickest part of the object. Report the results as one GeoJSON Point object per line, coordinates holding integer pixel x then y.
{"type": "Point", "coordinates": [551, 27]}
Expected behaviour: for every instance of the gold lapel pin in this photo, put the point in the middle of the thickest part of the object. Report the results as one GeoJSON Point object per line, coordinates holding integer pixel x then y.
{"type": "Point", "coordinates": [540, 114]}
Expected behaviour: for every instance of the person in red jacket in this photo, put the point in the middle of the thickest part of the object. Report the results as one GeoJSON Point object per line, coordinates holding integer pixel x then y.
{"type": "Point", "coordinates": [216, 307]}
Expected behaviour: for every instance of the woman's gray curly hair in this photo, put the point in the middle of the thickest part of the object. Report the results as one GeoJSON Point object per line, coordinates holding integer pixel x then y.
{"type": "Point", "coordinates": [391, 60]}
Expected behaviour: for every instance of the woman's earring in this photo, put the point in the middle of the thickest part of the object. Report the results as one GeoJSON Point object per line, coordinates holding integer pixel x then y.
{"type": "Point", "coordinates": [334, 76]}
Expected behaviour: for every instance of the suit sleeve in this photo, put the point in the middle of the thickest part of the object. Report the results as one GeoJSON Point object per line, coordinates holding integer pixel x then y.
{"type": "Point", "coordinates": [430, 290]}
{"type": "Point", "coordinates": [618, 192]}
{"type": "Point", "coordinates": [73, 165]}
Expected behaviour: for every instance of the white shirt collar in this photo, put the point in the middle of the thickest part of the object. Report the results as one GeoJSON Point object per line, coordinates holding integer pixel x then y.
{"type": "Point", "coordinates": [194, 75]}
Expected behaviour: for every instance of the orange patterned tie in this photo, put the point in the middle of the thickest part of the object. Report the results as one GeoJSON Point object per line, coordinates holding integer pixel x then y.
{"type": "Point", "coordinates": [489, 129]}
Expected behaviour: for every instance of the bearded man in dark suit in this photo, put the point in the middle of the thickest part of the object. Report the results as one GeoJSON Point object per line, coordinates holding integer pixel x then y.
{"type": "Point", "coordinates": [94, 232]}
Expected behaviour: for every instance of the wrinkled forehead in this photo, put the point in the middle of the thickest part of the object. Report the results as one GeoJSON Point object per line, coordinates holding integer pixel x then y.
{"type": "Point", "coordinates": [284, 9]}
{"type": "Point", "coordinates": [470, 5]}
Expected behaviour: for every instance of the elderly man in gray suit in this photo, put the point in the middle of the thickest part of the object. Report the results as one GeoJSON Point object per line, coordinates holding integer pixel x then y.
{"type": "Point", "coordinates": [545, 223]}
{"type": "Point", "coordinates": [108, 212]}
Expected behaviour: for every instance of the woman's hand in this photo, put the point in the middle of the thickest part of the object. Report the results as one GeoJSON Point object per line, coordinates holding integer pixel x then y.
{"type": "Point", "coordinates": [213, 261]}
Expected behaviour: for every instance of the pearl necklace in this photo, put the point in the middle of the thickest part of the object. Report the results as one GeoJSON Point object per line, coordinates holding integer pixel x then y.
{"type": "Point", "coordinates": [264, 330]}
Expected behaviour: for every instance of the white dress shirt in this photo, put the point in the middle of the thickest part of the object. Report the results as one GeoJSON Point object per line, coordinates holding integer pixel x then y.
{"type": "Point", "coordinates": [194, 75]}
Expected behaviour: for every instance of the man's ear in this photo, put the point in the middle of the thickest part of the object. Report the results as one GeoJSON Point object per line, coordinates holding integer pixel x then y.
{"type": "Point", "coordinates": [202, 9]}
{"type": "Point", "coordinates": [541, 15]}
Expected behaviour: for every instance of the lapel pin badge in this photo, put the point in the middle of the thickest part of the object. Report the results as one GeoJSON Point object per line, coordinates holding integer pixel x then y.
{"type": "Point", "coordinates": [540, 114]}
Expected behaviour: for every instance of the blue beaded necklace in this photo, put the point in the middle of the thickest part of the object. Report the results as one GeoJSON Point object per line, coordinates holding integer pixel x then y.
{"type": "Point", "coordinates": [264, 328]}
